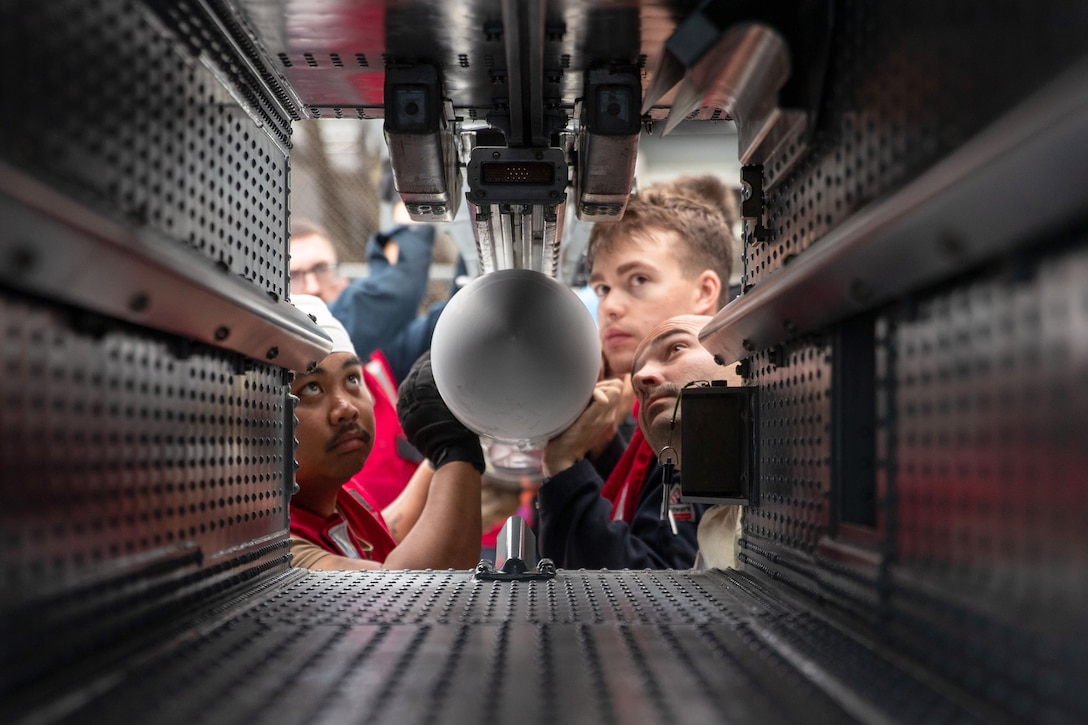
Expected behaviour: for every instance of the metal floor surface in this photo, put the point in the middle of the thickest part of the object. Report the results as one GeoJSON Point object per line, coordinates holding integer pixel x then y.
{"type": "Point", "coordinates": [441, 647]}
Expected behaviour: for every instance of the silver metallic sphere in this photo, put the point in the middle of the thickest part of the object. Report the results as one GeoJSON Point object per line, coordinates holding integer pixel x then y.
{"type": "Point", "coordinates": [515, 356]}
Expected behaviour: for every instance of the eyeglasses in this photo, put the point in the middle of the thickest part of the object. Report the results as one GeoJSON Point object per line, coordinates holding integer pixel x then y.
{"type": "Point", "coordinates": [322, 272]}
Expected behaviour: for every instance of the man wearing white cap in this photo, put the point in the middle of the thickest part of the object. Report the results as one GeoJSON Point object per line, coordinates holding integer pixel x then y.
{"type": "Point", "coordinates": [437, 521]}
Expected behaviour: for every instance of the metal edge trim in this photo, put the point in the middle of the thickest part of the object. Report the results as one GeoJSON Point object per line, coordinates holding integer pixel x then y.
{"type": "Point", "coordinates": [1022, 175]}
{"type": "Point", "coordinates": [57, 248]}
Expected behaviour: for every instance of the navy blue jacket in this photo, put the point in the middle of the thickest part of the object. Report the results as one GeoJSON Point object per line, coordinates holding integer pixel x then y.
{"type": "Point", "coordinates": [376, 308]}
{"type": "Point", "coordinates": [575, 527]}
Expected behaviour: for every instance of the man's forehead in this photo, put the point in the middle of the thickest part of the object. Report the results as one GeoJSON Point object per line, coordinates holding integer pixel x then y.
{"type": "Point", "coordinates": [330, 364]}
{"type": "Point", "coordinates": [658, 341]}
{"type": "Point", "coordinates": [633, 251]}
{"type": "Point", "coordinates": [312, 246]}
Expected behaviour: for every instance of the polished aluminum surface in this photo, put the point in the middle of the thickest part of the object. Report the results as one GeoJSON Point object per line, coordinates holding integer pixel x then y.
{"type": "Point", "coordinates": [69, 252]}
{"type": "Point", "coordinates": [440, 647]}
{"type": "Point", "coordinates": [145, 560]}
{"type": "Point", "coordinates": [333, 53]}
{"type": "Point", "coordinates": [519, 66]}
{"type": "Point", "coordinates": [1027, 171]}
{"type": "Point", "coordinates": [516, 541]}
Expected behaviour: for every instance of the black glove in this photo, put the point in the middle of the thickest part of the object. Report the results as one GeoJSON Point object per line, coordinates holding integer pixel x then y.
{"type": "Point", "coordinates": [428, 423]}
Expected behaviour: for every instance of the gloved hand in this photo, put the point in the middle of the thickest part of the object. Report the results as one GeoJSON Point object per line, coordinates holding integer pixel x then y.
{"type": "Point", "coordinates": [428, 423]}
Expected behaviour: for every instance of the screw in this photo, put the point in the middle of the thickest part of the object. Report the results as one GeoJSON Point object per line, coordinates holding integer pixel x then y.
{"type": "Point", "coordinates": [860, 291]}
{"type": "Point", "coordinates": [951, 246]}
{"type": "Point", "coordinates": [139, 302]}
{"type": "Point", "coordinates": [23, 260]}
{"type": "Point", "coordinates": [222, 333]}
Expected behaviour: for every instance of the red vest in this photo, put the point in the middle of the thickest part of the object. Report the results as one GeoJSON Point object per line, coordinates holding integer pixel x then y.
{"type": "Point", "coordinates": [356, 530]}
{"type": "Point", "coordinates": [624, 486]}
{"type": "Point", "coordinates": [392, 460]}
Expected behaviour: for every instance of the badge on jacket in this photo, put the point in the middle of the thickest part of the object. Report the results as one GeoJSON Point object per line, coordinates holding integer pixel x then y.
{"type": "Point", "coordinates": [678, 511]}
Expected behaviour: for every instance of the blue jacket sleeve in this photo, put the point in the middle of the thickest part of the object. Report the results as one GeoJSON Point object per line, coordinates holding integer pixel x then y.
{"type": "Point", "coordinates": [375, 308]}
{"type": "Point", "coordinates": [414, 340]}
{"type": "Point", "coordinates": [576, 529]}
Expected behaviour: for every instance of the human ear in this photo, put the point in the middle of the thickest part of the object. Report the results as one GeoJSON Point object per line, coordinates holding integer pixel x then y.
{"type": "Point", "coordinates": [708, 289]}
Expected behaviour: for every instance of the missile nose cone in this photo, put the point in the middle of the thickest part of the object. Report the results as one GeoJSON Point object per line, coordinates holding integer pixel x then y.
{"type": "Point", "coordinates": [515, 356]}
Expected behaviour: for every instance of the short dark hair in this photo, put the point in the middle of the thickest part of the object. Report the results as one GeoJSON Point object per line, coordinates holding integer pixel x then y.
{"type": "Point", "coordinates": [707, 188]}
{"type": "Point", "coordinates": [706, 241]}
{"type": "Point", "coordinates": [302, 227]}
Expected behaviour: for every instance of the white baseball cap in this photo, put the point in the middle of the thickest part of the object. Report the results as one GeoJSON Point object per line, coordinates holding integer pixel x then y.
{"type": "Point", "coordinates": [316, 308]}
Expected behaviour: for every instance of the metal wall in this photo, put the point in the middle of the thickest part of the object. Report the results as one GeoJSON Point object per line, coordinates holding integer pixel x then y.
{"type": "Point", "coordinates": [144, 471]}
{"type": "Point", "coordinates": [918, 548]}
{"type": "Point", "coordinates": [969, 550]}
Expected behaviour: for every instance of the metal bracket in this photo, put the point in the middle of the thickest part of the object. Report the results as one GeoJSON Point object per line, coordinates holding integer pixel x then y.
{"type": "Point", "coordinates": [515, 556]}
{"type": "Point", "coordinates": [751, 206]}
{"type": "Point", "coordinates": [763, 64]}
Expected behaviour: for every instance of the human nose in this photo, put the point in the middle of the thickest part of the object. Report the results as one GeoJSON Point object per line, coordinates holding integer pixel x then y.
{"type": "Point", "coordinates": [343, 409]}
{"type": "Point", "coordinates": [646, 377]}
{"type": "Point", "coordinates": [609, 305]}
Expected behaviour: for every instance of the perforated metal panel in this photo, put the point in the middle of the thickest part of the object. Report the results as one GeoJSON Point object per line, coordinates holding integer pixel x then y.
{"type": "Point", "coordinates": [991, 400]}
{"type": "Point", "coordinates": [130, 115]}
{"type": "Point", "coordinates": [974, 560]}
{"type": "Point", "coordinates": [990, 540]}
{"type": "Point", "coordinates": [586, 647]}
{"type": "Point", "coordinates": [144, 474]}
{"type": "Point", "coordinates": [795, 446]}
{"type": "Point", "coordinates": [908, 83]}
{"type": "Point", "coordinates": [139, 471]}
{"type": "Point", "coordinates": [138, 446]}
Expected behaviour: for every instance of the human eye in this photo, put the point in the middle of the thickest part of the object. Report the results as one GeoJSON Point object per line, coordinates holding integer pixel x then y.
{"type": "Point", "coordinates": [354, 380]}
{"type": "Point", "coordinates": [601, 289]}
{"type": "Point", "coordinates": [308, 389]}
{"type": "Point", "coordinates": [675, 348]}
{"type": "Point", "coordinates": [637, 280]}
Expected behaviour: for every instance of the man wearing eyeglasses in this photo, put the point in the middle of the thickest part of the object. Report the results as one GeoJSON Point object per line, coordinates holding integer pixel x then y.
{"type": "Point", "coordinates": [374, 308]}
{"type": "Point", "coordinates": [379, 313]}
{"type": "Point", "coordinates": [314, 268]}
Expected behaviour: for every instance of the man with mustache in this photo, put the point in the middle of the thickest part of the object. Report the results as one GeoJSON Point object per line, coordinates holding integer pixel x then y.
{"type": "Point", "coordinates": [433, 524]}
{"type": "Point", "coordinates": [670, 254]}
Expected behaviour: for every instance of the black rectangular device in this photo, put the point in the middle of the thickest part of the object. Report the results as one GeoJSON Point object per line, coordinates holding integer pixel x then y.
{"type": "Point", "coordinates": [719, 459]}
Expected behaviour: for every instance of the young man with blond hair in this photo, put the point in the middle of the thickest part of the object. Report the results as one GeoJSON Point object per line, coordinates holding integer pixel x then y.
{"type": "Point", "coordinates": [669, 255]}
